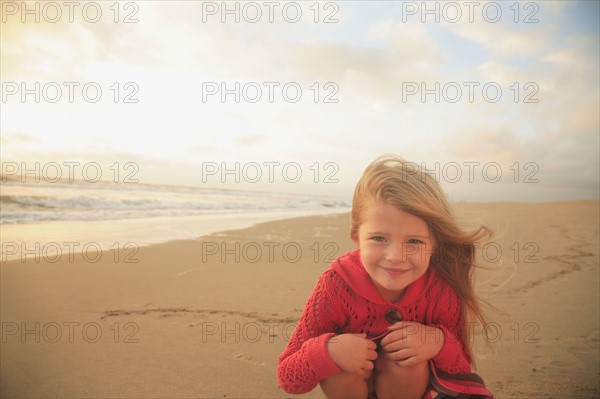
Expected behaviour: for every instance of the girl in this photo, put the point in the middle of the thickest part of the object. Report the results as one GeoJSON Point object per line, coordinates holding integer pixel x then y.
{"type": "Point", "coordinates": [390, 319]}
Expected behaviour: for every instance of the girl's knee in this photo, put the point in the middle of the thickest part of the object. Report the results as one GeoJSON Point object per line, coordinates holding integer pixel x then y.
{"type": "Point", "coordinates": [344, 384]}
{"type": "Point", "coordinates": [395, 380]}
{"type": "Point", "coordinates": [345, 378]}
{"type": "Point", "coordinates": [382, 364]}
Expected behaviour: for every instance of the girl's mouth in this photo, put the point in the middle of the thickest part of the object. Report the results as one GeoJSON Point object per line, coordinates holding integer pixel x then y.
{"type": "Point", "coordinates": [394, 272]}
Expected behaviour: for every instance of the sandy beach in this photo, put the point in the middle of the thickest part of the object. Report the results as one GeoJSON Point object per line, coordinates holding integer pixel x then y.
{"type": "Point", "coordinates": [208, 318]}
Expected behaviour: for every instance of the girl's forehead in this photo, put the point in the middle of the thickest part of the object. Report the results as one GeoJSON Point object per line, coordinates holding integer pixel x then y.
{"type": "Point", "coordinates": [392, 217]}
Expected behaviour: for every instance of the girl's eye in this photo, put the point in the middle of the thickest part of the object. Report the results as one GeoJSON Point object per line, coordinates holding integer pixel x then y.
{"type": "Point", "coordinates": [377, 238]}
{"type": "Point", "coordinates": [415, 241]}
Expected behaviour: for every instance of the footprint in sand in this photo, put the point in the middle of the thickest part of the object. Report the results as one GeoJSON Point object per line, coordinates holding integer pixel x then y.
{"type": "Point", "coordinates": [247, 359]}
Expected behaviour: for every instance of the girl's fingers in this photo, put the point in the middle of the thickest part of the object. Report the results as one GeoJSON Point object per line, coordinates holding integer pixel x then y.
{"type": "Point", "coordinates": [394, 346]}
{"type": "Point", "coordinates": [399, 356]}
{"type": "Point", "coordinates": [371, 345]}
{"type": "Point", "coordinates": [396, 325]}
{"type": "Point", "coordinates": [410, 325]}
{"type": "Point", "coordinates": [372, 355]}
{"type": "Point", "coordinates": [395, 335]}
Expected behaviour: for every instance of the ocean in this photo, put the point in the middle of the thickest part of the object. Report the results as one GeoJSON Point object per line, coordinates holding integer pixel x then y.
{"type": "Point", "coordinates": [43, 218]}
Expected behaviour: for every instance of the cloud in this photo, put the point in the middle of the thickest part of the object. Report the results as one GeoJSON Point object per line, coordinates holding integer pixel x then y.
{"type": "Point", "coordinates": [10, 137]}
{"type": "Point", "coordinates": [368, 56]}
{"type": "Point", "coordinates": [250, 140]}
{"type": "Point", "coordinates": [64, 49]}
{"type": "Point", "coordinates": [506, 38]}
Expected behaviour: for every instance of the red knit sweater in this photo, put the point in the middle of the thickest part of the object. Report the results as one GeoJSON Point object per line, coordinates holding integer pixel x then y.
{"type": "Point", "coordinates": [346, 301]}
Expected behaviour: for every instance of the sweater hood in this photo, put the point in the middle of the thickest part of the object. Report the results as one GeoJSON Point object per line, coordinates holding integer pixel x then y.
{"type": "Point", "coordinates": [352, 271]}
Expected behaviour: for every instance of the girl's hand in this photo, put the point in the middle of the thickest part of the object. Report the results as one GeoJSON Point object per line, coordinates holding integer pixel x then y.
{"type": "Point", "coordinates": [410, 343]}
{"type": "Point", "coordinates": [353, 353]}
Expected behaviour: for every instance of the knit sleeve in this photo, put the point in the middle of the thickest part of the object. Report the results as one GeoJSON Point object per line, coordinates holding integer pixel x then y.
{"type": "Point", "coordinates": [305, 360]}
{"type": "Point", "coordinates": [452, 358]}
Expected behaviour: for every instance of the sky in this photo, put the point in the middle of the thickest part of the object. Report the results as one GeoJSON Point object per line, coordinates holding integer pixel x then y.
{"type": "Point", "coordinates": [499, 99]}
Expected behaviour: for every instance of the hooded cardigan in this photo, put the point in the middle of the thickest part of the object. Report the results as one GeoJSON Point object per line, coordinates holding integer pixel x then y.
{"type": "Point", "coordinates": [345, 300]}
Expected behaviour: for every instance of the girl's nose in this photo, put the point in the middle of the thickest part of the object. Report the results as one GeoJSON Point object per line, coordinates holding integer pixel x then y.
{"type": "Point", "coordinates": [399, 253]}
{"type": "Point", "coordinates": [396, 253]}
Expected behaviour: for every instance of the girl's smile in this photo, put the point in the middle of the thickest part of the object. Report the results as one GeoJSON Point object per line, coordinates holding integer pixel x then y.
{"type": "Point", "coordinates": [393, 271]}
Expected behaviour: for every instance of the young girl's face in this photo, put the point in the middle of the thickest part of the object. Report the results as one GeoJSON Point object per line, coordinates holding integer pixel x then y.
{"type": "Point", "coordinates": [395, 248]}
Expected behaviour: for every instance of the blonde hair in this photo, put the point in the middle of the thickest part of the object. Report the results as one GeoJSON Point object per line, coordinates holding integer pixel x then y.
{"type": "Point", "coordinates": [408, 187]}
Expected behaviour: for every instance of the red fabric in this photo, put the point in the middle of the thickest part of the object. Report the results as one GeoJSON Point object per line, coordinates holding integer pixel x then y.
{"type": "Point", "coordinates": [463, 386]}
{"type": "Point", "coordinates": [346, 301]}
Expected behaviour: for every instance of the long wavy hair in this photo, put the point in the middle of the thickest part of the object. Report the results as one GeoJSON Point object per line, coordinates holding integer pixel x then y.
{"type": "Point", "coordinates": [408, 187]}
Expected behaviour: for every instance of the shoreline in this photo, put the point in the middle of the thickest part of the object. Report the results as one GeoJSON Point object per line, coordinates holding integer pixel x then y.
{"type": "Point", "coordinates": [209, 317]}
{"type": "Point", "coordinates": [38, 241]}
{"type": "Point", "coordinates": [34, 240]}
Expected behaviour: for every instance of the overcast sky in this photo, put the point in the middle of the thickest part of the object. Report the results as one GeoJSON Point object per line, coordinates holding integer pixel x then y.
{"type": "Point", "coordinates": [502, 98]}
